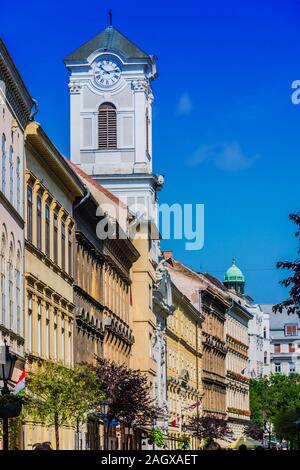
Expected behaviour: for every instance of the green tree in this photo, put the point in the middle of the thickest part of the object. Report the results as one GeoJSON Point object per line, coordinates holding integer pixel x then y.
{"type": "Point", "coordinates": [292, 304]}
{"type": "Point", "coordinates": [272, 396]}
{"type": "Point", "coordinates": [58, 396]}
{"type": "Point", "coordinates": [285, 426]}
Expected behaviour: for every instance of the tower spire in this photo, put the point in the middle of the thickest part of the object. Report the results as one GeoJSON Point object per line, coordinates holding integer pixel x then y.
{"type": "Point", "coordinates": [110, 17]}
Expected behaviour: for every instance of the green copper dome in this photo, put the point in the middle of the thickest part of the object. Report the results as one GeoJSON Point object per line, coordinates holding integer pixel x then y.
{"type": "Point", "coordinates": [234, 274]}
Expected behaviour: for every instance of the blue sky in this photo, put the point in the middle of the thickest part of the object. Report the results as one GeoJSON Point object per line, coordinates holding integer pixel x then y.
{"type": "Point", "coordinates": [226, 133]}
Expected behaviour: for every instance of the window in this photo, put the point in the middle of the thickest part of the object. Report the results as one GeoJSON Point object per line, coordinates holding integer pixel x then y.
{"type": "Point", "coordinates": [11, 288]}
{"type": "Point", "coordinates": [3, 164]}
{"type": "Point", "coordinates": [70, 343]}
{"type": "Point", "coordinates": [63, 339]}
{"type": "Point", "coordinates": [63, 246]}
{"type": "Point", "coordinates": [291, 347]}
{"type": "Point", "coordinates": [29, 213]}
{"type": "Point", "coordinates": [39, 328]}
{"type": "Point", "coordinates": [47, 229]}
{"type": "Point", "coordinates": [277, 367]}
{"type": "Point", "coordinates": [147, 132]}
{"type": "Point", "coordinates": [292, 367]}
{"type": "Point", "coordinates": [29, 322]}
{"type": "Point", "coordinates": [47, 331]}
{"type": "Point", "coordinates": [55, 241]}
{"type": "Point", "coordinates": [11, 176]}
{"type": "Point", "coordinates": [70, 252]}
{"type": "Point", "coordinates": [277, 348]}
{"type": "Point", "coordinates": [265, 358]}
{"type": "Point", "coordinates": [18, 296]}
{"type": "Point", "coordinates": [2, 280]}
{"type": "Point", "coordinates": [18, 178]}
{"type": "Point", "coordinates": [39, 222]}
{"type": "Point", "coordinates": [291, 329]}
{"type": "Point", "coordinates": [107, 126]}
{"type": "Point", "coordinates": [265, 332]}
{"type": "Point", "coordinates": [55, 335]}
{"type": "Point", "coordinates": [150, 296]}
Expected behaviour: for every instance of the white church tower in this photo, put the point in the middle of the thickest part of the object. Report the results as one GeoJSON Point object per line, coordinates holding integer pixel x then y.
{"type": "Point", "coordinates": [111, 117]}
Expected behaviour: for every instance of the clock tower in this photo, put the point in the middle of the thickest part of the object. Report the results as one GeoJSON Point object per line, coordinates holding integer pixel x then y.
{"type": "Point", "coordinates": [111, 117]}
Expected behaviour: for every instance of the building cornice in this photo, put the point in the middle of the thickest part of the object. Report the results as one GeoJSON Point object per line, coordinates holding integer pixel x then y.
{"type": "Point", "coordinates": [10, 208]}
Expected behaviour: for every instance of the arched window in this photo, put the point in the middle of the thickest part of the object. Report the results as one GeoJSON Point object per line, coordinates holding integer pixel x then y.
{"type": "Point", "coordinates": [3, 186]}
{"type": "Point", "coordinates": [107, 126]}
{"type": "Point", "coordinates": [18, 181]}
{"type": "Point", "coordinates": [11, 175]}
{"type": "Point", "coordinates": [2, 280]}
{"type": "Point", "coordinates": [11, 286]}
{"type": "Point", "coordinates": [18, 292]}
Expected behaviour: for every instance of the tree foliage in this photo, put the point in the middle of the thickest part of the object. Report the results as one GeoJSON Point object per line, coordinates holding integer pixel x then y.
{"type": "Point", "coordinates": [254, 431]}
{"type": "Point", "coordinates": [128, 392]}
{"type": "Point", "coordinates": [60, 396]}
{"type": "Point", "coordinates": [292, 304]}
{"type": "Point", "coordinates": [273, 398]}
{"type": "Point", "coordinates": [210, 427]}
{"type": "Point", "coordinates": [285, 426]}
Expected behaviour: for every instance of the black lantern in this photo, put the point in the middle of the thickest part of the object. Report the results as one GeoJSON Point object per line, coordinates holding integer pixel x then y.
{"type": "Point", "coordinates": [105, 408]}
{"type": "Point", "coordinates": [6, 370]}
{"type": "Point", "coordinates": [183, 428]}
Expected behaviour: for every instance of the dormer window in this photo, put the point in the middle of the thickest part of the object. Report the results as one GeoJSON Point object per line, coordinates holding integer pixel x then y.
{"type": "Point", "coordinates": [107, 126]}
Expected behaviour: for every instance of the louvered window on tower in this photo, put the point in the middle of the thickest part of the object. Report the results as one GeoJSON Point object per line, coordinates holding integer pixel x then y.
{"type": "Point", "coordinates": [107, 126]}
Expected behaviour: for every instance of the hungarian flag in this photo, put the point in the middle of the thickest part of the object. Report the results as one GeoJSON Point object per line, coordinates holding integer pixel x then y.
{"type": "Point", "coordinates": [20, 385]}
{"type": "Point", "coordinates": [253, 373]}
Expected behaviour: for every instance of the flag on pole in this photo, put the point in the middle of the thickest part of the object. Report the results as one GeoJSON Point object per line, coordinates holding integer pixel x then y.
{"type": "Point", "coordinates": [253, 374]}
{"type": "Point", "coordinates": [20, 385]}
{"type": "Point", "coordinates": [194, 405]}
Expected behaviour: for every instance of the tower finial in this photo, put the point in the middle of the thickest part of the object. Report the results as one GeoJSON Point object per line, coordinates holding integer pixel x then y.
{"type": "Point", "coordinates": [233, 261]}
{"type": "Point", "coordinates": [110, 17]}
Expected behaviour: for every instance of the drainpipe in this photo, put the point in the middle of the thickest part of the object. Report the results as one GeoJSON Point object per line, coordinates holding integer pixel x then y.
{"type": "Point", "coordinates": [79, 203]}
{"type": "Point", "coordinates": [34, 110]}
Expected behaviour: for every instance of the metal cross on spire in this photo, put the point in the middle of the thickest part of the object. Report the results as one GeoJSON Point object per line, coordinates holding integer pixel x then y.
{"type": "Point", "coordinates": [110, 17]}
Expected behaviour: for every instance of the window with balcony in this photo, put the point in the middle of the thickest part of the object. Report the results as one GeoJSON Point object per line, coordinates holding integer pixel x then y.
{"type": "Point", "coordinates": [291, 329]}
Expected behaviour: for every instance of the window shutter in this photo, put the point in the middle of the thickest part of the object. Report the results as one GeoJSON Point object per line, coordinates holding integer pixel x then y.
{"type": "Point", "coordinates": [107, 126]}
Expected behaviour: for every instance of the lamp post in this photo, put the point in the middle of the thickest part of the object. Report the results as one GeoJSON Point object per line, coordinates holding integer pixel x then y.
{"type": "Point", "coordinates": [298, 433]}
{"type": "Point", "coordinates": [184, 429]}
{"type": "Point", "coordinates": [6, 371]}
{"type": "Point", "coordinates": [105, 409]}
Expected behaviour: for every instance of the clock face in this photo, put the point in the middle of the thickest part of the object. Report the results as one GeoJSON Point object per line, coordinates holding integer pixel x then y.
{"type": "Point", "coordinates": [107, 72]}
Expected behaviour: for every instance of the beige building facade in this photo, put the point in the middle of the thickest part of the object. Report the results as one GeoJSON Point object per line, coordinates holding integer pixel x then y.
{"type": "Point", "coordinates": [51, 188]}
{"type": "Point", "coordinates": [15, 114]}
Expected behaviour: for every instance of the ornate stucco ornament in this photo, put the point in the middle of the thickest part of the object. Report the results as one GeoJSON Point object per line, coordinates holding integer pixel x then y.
{"type": "Point", "coordinates": [75, 88]}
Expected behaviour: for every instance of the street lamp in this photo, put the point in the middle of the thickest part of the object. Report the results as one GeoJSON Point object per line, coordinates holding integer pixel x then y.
{"type": "Point", "coordinates": [105, 410]}
{"type": "Point", "coordinates": [183, 428]}
{"type": "Point", "coordinates": [6, 372]}
{"type": "Point", "coordinates": [298, 433]}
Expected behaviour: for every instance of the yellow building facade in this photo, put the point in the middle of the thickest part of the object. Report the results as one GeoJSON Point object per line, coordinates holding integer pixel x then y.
{"type": "Point", "coordinates": [50, 190]}
{"type": "Point", "coordinates": [184, 364]}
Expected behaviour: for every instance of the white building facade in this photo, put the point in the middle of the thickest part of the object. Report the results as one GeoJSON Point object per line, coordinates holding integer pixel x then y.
{"type": "Point", "coordinates": [111, 140]}
{"type": "Point", "coordinates": [15, 113]}
{"type": "Point", "coordinates": [256, 340]}
{"type": "Point", "coordinates": [284, 344]}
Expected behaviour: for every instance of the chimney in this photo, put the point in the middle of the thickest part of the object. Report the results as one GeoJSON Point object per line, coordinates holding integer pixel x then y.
{"type": "Point", "coordinates": [168, 254]}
